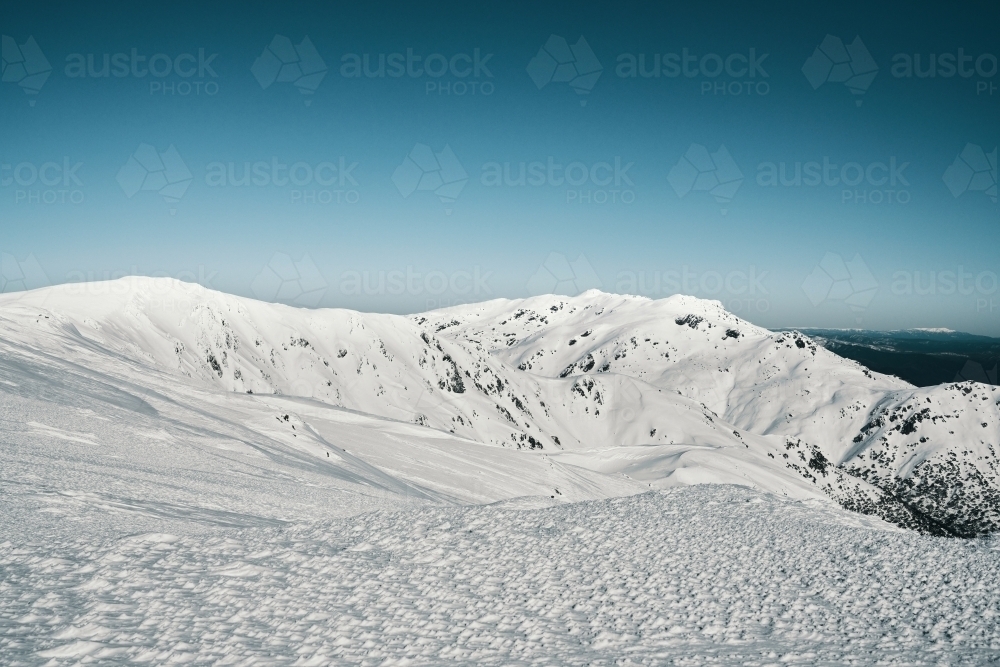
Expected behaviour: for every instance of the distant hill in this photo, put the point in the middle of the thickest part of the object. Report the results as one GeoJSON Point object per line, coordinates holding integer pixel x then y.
{"type": "Point", "coordinates": [923, 357]}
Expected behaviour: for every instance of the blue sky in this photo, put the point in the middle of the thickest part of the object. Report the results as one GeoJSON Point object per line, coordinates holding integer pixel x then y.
{"type": "Point", "coordinates": [927, 252]}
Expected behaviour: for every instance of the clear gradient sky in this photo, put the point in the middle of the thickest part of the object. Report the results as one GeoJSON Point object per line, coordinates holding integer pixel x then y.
{"type": "Point", "coordinates": [616, 180]}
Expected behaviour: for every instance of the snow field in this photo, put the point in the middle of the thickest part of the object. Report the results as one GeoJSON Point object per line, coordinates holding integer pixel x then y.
{"type": "Point", "coordinates": [708, 574]}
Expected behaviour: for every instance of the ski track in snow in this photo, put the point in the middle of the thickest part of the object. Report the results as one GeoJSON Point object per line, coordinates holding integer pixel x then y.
{"type": "Point", "coordinates": [709, 574]}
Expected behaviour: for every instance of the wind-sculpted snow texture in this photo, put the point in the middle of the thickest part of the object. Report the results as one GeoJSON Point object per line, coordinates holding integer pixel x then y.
{"type": "Point", "coordinates": [668, 392]}
{"type": "Point", "coordinates": [701, 575]}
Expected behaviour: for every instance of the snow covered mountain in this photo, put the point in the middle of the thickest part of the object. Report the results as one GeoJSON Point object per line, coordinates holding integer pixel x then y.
{"type": "Point", "coordinates": [617, 392]}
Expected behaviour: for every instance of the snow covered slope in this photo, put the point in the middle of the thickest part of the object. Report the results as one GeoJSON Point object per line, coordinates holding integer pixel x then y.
{"type": "Point", "coordinates": [396, 490]}
{"type": "Point", "coordinates": [122, 447]}
{"type": "Point", "coordinates": [836, 417]}
{"type": "Point", "coordinates": [657, 393]}
{"type": "Point", "coordinates": [701, 575]}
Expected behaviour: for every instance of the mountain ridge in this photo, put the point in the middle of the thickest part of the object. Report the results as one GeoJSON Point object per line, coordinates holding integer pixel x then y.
{"type": "Point", "coordinates": [667, 389]}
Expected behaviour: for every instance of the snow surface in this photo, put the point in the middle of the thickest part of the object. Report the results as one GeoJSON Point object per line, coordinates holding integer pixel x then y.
{"type": "Point", "coordinates": [708, 574]}
{"type": "Point", "coordinates": [188, 476]}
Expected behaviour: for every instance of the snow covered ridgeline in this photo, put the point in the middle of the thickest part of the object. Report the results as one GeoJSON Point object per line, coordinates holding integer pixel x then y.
{"type": "Point", "coordinates": [874, 443]}
{"type": "Point", "coordinates": [667, 392]}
